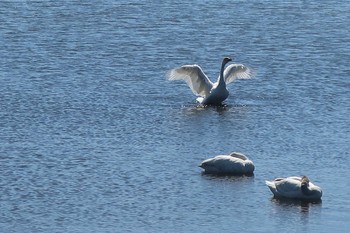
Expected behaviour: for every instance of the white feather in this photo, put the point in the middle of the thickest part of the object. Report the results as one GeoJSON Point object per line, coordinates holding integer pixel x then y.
{"type": "Point", "coordinates": [235, 163]}
{"type": "Point", "coordinates": [237, 71]}
{"type": "Point", "coordinates": [194, 77]}
{"type": "Point", "coordinates": [207, 91]}
{"type": "Point", "coordinates": [290, 187]}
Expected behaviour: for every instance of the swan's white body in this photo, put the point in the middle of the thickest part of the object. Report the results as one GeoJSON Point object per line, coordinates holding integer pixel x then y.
{"type": "Point", "coordinates": [210, 93]}
{"type": "Point", "coordinates": [235, 163]}
{"type": "Point", "coordinates": [294, 187]}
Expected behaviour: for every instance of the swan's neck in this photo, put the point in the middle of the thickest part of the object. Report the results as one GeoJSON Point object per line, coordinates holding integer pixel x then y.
{"type": "Point", "coordinates": [221, 78]}
{"type": "Point", "coordinates": [306, 190]}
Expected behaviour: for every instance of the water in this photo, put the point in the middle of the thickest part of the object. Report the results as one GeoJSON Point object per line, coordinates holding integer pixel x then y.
{"type": "Point", "coordinates": [94, 139]}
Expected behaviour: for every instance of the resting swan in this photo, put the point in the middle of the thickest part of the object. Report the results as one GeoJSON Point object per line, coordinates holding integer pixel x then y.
{"type": "Point", "coordinates": [234, 163]}
{"type": "Point", "coordinates": [294, 187]}
{"type": "Point", "coordinates": [210, 93]}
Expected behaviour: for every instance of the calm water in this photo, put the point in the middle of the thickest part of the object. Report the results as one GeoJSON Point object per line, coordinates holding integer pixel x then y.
{"type": "Point", "coordinates": [94, 139]}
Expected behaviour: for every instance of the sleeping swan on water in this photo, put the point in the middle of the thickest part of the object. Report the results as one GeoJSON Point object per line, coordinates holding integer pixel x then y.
{"type": "Point", "coordinates": [234, 163]}
{"type": "Point", "coordinates": [294, 187]}
{"type": "Point", "coordinates": [210, 93]}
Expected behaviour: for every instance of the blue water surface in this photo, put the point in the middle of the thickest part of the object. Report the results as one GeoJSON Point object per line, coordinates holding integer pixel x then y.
{"type": "Point", "coordinates": [93, 138]}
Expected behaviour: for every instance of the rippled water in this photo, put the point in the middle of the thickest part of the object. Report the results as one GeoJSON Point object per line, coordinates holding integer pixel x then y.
{"type": "Point", "coordinates": [94, 139]}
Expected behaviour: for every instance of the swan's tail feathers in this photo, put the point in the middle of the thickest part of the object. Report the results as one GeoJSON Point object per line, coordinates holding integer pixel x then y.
{"type": "Point", "coordinates": [270, 184]}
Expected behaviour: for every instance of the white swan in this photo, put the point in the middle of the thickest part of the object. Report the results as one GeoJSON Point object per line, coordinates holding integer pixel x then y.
{"type": "Point", "coordinates": [210, 93]}
{"type": "Point", "coordinates": [234, 163]}
{"type": "Point", "coordinates": [294, 187]}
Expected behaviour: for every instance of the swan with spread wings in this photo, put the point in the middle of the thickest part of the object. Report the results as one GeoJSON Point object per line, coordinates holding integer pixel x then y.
{"type": "Point", "coordinates": [210, 93]}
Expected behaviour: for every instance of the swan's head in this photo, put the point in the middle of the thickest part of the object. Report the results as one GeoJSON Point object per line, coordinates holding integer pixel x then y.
{"type": "Point", "coordinates": [226, 60]}
{"type": "Point", "coordinates": [310, 190]}
{"type": "Point", "coordinates": [305, 181]}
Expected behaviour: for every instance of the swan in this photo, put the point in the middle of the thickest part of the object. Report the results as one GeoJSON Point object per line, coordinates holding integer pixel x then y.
{"type": "Point", "coordinates": [210, 93]}
{"type": "Point", "coordinates": [294, 187]}
{"type": "Point", "coordinates": [234, 163]}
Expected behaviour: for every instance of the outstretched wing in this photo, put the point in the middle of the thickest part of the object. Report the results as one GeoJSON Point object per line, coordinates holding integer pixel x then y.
{"type": "Point", "coordinates": [237, 71]}
{"type": "Point", "coordinates": [194, 77]}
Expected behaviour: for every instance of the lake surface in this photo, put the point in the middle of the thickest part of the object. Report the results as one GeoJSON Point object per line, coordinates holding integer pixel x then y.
{"type": "Point", "coordinates": [93, 138]}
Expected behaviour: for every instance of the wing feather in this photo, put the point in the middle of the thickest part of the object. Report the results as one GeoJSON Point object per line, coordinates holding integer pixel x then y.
{"type": "Point", "coordinates": [289, 187]}
{"type": "Point", "coordinates": [194, 77]}
{"type": "Point", "coordinates": [237, 71]}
